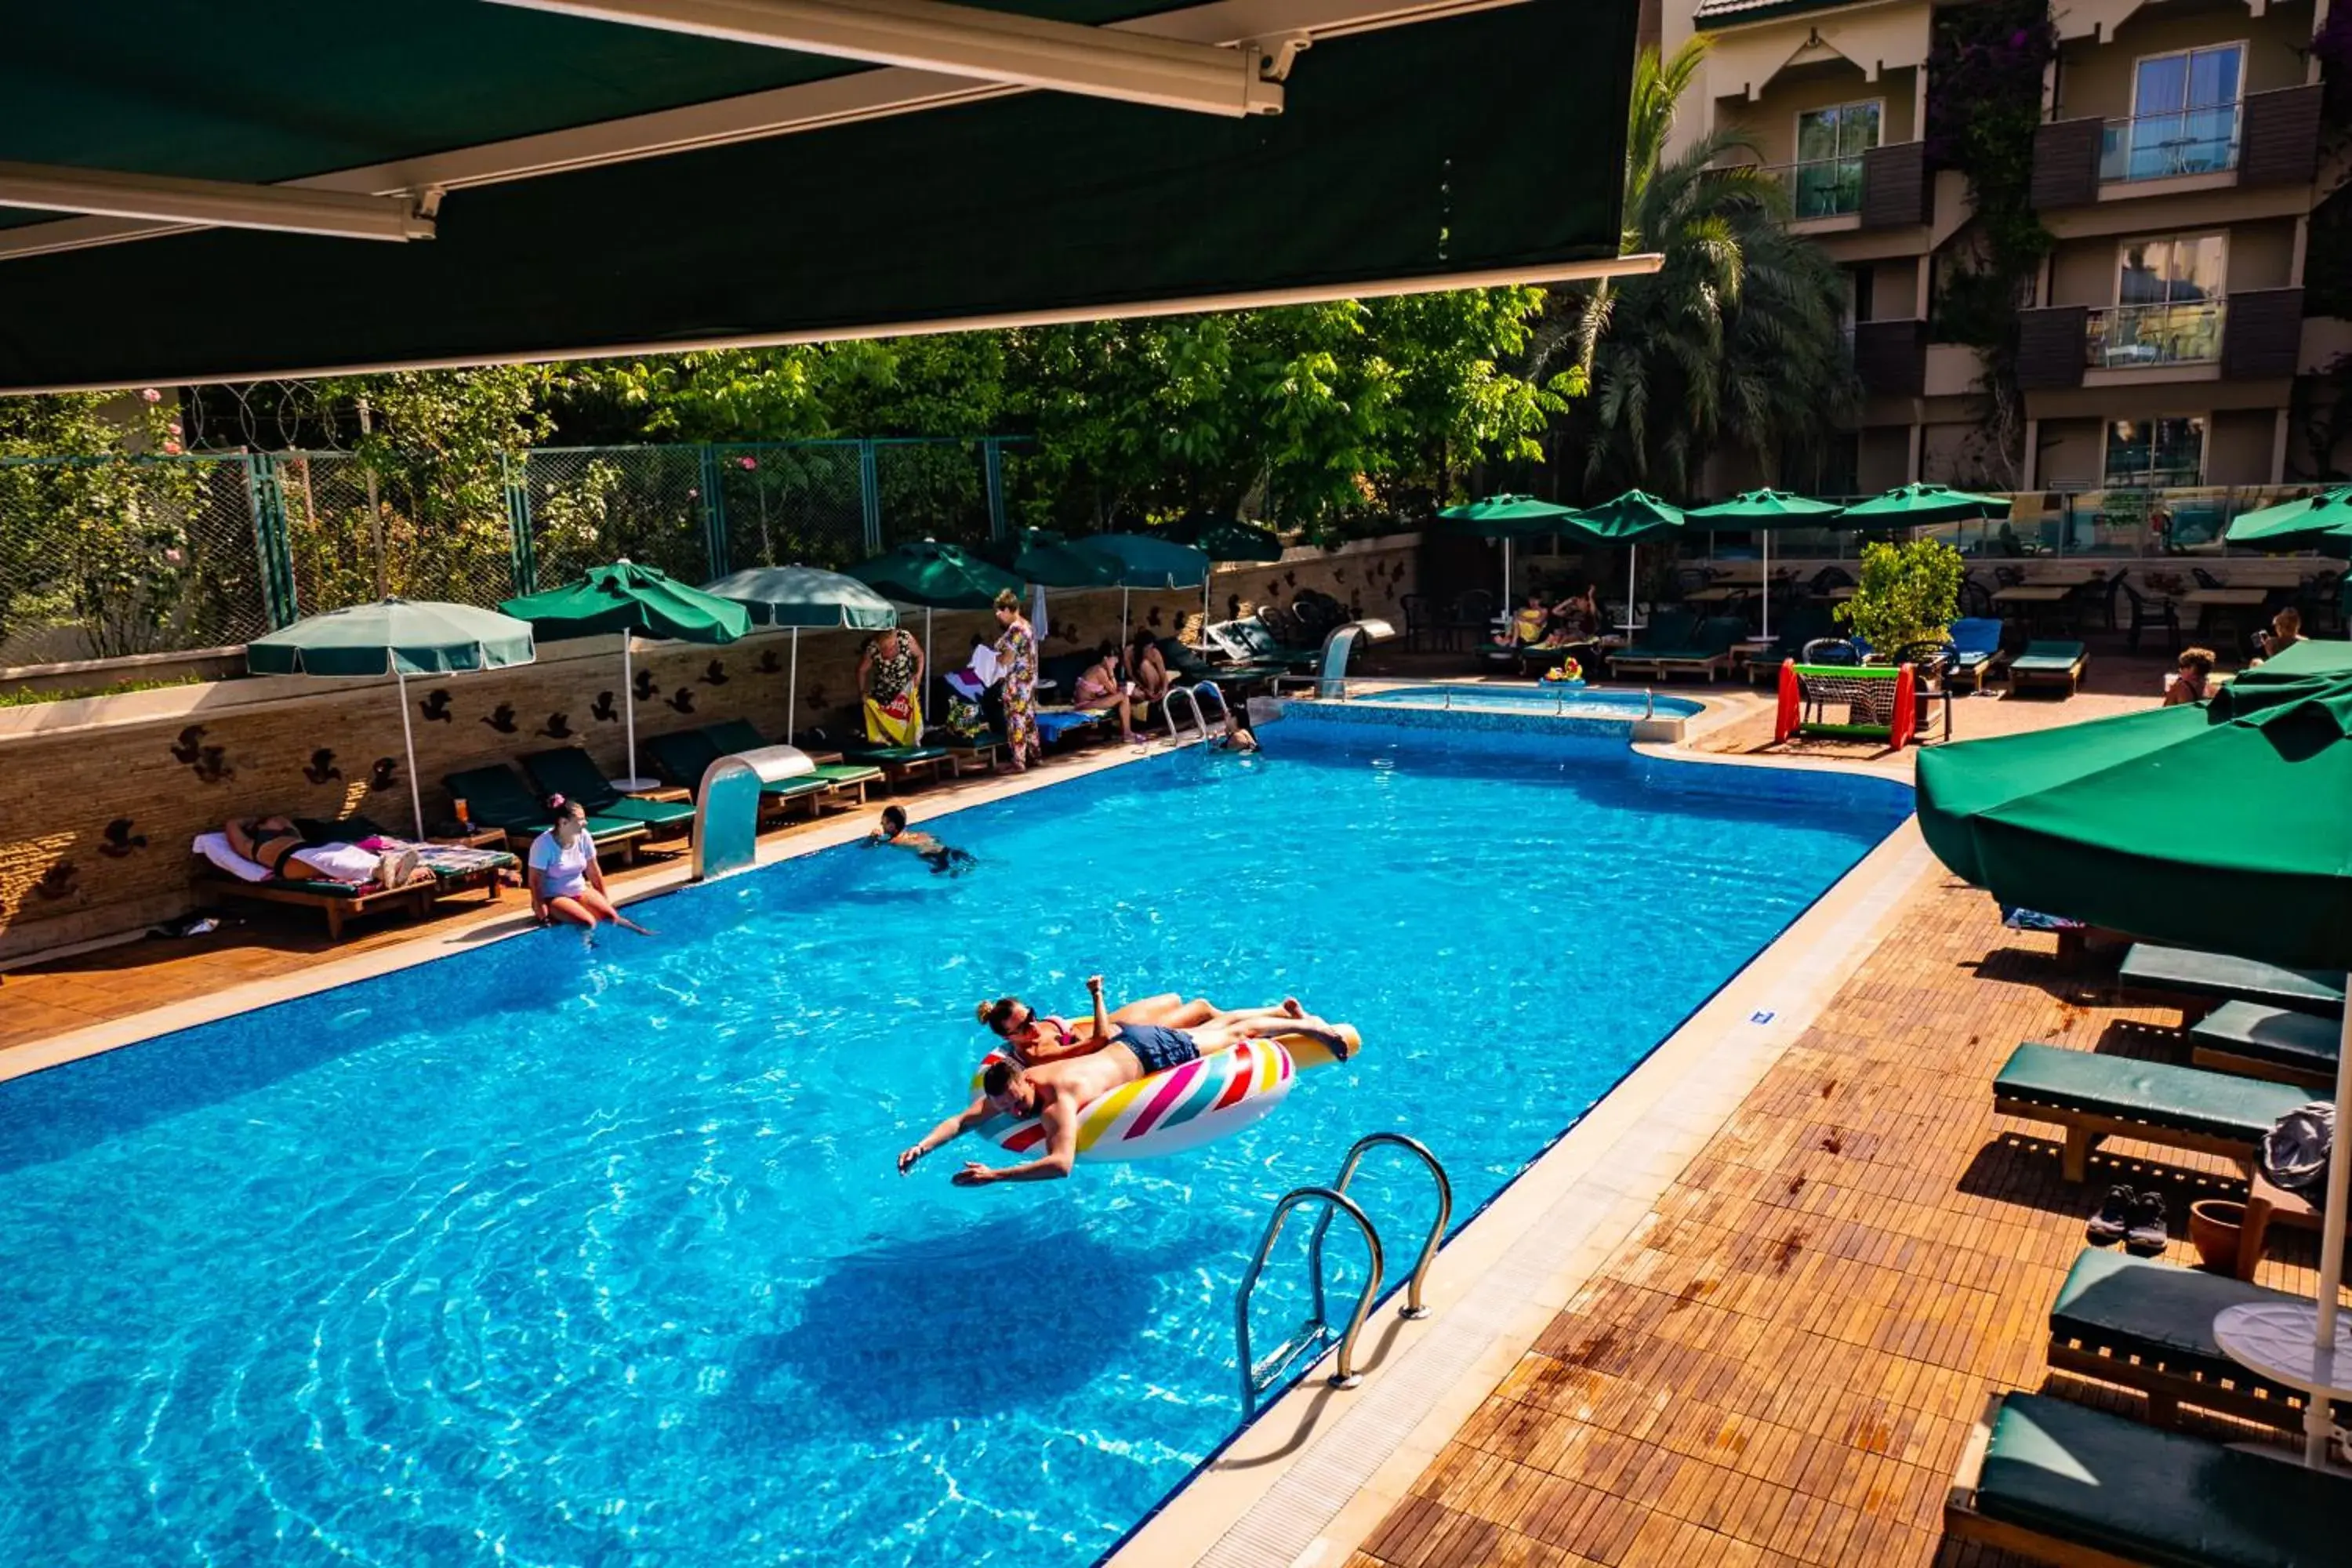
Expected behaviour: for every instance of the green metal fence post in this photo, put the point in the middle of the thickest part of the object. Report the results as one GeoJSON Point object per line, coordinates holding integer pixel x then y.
{"type": "Point", "coordinates": [514, 481]}
{"type": "Point", "coordinates": [869, 491]}
{"type": "Point", "coordinates": [714, 513]}
{"type": "Point", "coordinates": [992, 452]}
{"type": "Point", "coordinates": [266, 499]}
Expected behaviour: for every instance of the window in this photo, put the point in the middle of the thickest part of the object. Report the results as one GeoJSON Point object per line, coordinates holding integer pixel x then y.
{"type": "Point", "coordinates": [2156, 454]}
{"type": "Point", "coordinates": [2167, 303]}
{"type": "Point", "coordinates": [2184, 116]}
{"type": "Point", "coordinates": [1827, 177]}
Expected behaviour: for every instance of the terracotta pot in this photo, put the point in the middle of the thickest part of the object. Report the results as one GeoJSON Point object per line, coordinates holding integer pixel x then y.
{"type": "Point", "coordinates": [2214, 1225]}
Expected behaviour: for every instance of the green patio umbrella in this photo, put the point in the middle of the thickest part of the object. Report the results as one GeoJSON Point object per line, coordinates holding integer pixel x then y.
{"type": "Point", "coordinates": [1921, 506]}
{"type": "Point", "coordinates": [1762, 512]}
{"type": "Point", "coordinates": [799, 597]}
{"type": "Point", "coordinates": [635, 601]}
{"type": "Point", "coordinates": [1223, 536]}
{"type": "Point", "coordinates": [1042, 557]}
{"type": "Point", "coordinates": [937, 577]}
{"type": "Point", "coordinates": [400, 637]}
{"type": "Point", "coordinates": [2219, 825]}
{"type": "Point", "coordinates": [1506, 518]}
{"type": "Point", "coordinates": [1625, 520]}
{"type": "Point", "coordinates": [2297, 525]}
{"type": "Point", "coordinates": [1153, 563]}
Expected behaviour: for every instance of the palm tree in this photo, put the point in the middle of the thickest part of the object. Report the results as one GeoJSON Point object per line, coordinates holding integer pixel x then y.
{"type": "Point", "coordinates": [1735, 341]}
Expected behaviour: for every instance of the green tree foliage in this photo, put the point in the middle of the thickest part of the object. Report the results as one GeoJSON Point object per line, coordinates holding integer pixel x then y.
{"type": "Point", "coordinates": [1908, 596]}
{"type": "Point", "coordinates": [1735, 343]}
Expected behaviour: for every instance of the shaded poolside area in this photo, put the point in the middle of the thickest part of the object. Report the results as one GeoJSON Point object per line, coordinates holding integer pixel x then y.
{"type": "Point", "coordinates": [1782, 1361]}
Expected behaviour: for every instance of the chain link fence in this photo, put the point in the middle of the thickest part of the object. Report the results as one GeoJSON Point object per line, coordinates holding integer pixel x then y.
{"type": "Point", "coordinates": [102, 558]}
{"type": "Point", "coordinates": [106, 559]}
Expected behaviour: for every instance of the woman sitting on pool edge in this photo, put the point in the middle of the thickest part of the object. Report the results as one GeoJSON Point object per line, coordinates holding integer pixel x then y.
{"type": "Point", "coordinates": [893, 834]}
{"type": "Point", "coordinates": [566, 883]}
{"type": "Point", "coordinates": [1055, 1092]}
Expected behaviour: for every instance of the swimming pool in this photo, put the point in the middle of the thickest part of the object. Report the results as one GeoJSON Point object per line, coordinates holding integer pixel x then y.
{"type": "Point", "coordinates": [544, 1257]}
{"type": "Point", "coordinates": [1537, 698]}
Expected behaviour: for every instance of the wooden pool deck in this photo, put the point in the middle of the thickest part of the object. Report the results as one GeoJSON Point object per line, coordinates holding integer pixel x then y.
{"type": "Point", "coordinates": [1780, 1363]}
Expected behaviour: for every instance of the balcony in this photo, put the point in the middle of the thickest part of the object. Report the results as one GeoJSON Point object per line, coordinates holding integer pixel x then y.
{"type": "Point", "coordinates": [1885, 187]}
{"type": "Point", "coordinates": [2270, 138]}
{"type": "Point", "coordinates": [2169, 146]}
{"type": "Point", "coordinates": [1891, 357]}
{"type": "Point", "coordinates": [1821, 187]}
{"type": "Point", "coordinates": [2135, 337]}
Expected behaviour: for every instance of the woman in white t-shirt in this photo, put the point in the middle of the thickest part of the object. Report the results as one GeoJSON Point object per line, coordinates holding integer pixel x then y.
{"type": "Point", "coordinates": [565, 880]}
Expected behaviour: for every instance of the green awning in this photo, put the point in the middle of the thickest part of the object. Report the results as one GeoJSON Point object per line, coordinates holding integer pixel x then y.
{"type": "Point", "coordinates": [1481, 145]}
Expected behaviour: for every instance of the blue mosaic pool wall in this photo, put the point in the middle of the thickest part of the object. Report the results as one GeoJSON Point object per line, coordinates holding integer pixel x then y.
{"type": "Point", "coordinates": [1459, 719]}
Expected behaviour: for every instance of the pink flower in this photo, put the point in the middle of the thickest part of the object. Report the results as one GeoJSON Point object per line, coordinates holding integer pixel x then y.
{"type": "Point", "coordinates": [693, 495]}
{"type": "Point", "coordinates": [151, 396]}
{"type": "Point", "coordinates": [173, 556]}
{"type": "Point", "coordinates": [172, 449]}
{"type": "Point", "coordinates": [748, 462]}
{"type": "Point", "coordinates": [172, 428]}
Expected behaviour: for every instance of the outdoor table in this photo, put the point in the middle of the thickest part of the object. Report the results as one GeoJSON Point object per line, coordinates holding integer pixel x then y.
{"type": "Point", "coordinates": [2274, 1338]}
{"type": "Point", "coordinates": [2230, 601]}
{"type": "Point", "coordinates": [2066, 577]}
{"type": "Point", "coordinates": [1718, 595]}
{"type": "Point", "coordinates": [1838, 595]}
{"type": "Point", "coordinates": [2031, 594]}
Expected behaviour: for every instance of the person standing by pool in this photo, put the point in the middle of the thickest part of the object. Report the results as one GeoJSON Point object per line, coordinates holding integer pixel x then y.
{"type": "Point", "coordinates": [1016, 651]}
{"type": "Point", "coordinates": [890, 677]}
{"type": "Point", "coordinates": [566, 883]}
{"type": "Point", "coordinates": [1058, 1092]}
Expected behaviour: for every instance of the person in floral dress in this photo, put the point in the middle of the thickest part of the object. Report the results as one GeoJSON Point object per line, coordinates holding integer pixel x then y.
{"type": "Point", "coordinates": [1016, 646]}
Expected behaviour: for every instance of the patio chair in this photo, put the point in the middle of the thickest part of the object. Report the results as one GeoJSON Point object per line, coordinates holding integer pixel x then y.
{"type": "Point", "coordinates": [1976, 600]}
{"type": "Point", "coordinates": [1668, 629]}
{"type": "Point", "coordinates": [1801, 624]}
{"type": "Point", "coordinates": [2151, 612]}
{"type": "Point", "coordinates": [2254, 1040]}
{"type": "Point", "coordinates": [2049, 662]}
{"type": "Point", "coordinates": [848, 778]}
{"type": "Point", "coordinates": [1421, 621]}
{"type": "Point", "coordinates": [2206, 579]}
{"type": "Point", "coordinates": [2059, 1482]}
{"type": "Point", "coordinates": [1975, 649]}
{"type": "Point", "coordinates": [496, 798]}
{"type": "Point", "coordinates": [2145, 1324]}
{"type": "Point", "coordinates": [1827, 578]}
{"type": "Point", "coordinates": [2211, 978]}
{"type": "Point", "coordinates": [2009, 577]}
{"type": "Point", "coordinates": [2096, 1097]}
{"type": "Point", "coordinates": [1250, 642]}
{"type": "Point", "coordinates": [1472, 615]}
{"type": "Point", "coordinates": [571, 771]}
{"type": "Point", "coordinates": [1832, 650]}
{"type": "Point", "coordinates": [2321, 603]}
{"type": "Point", "coordinates": [684, 756]}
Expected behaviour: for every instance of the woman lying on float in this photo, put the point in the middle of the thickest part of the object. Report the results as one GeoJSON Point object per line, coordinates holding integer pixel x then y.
{"type": "Point", "coordinates": [1149, 1090]}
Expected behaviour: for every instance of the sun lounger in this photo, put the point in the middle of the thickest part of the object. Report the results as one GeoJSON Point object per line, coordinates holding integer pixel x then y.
{"type": "Point", "coordinates": [2049, 663]}
{"type": "Point", "coordinates": [496, 798]}
{"type": "Point", "coordinates": [1975, 649]}
{"type": "Point", "coordinates": [1708, 653]}
{"type": "Point", "coordinates": [454, 870]}
{"type": "Point", "coordinates": [2216, 977]}
{"type": "Point", "coordinates": [899, 764]}
{"type": "Point", "coordinates": [2095, 1097]}
{"type": "Point", "coordinates": [2143, 1323]}
{"type": "Point", "coordinates": [844, 778]}
{"type": "Point", "coordinates": [684, 757]}
{"type": "Point", "coordinates": [2059, 1482]}
{"type": "Point", "coordinates": [1669, 630]}
{"type": "Point", "coordinates": [2256, 1041]}
{"type": "Point", "coordinates": [1249, 642]}
{"type": "Point", "coordinates": [573, 773]}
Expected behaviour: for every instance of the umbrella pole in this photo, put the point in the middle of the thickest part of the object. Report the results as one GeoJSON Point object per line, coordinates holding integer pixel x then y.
{"type": "Point", "coordinates": [792, 689]}
{"type": "Point", "coordinates": [2318, 1414]}
{"type": "Point", "coordinates": [1633, 551]}
{"type": "Point", "coordinates": [1767, 578]}
{"type": "Point", "coordinates": [1506, 601]}
{"type": "Point", "coordinates": [629, 701]}
{"type": "Point", "coordinates": [408, 735]}
{"type": "Point", "coordinates": [922, 696]}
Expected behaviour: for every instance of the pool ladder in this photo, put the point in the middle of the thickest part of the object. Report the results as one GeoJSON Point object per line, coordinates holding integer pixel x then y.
{"type": "Point", "coordinates": [1190, 694]}
{"type": "Point", "coordinates": [1316, 1332]}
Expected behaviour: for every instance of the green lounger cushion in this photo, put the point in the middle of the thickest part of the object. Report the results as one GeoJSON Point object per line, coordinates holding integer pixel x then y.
{"type": "Point", "coordinates": [2048, 657]}
{"type": "Point", "coordinates": [732, 735]}
{"type": "Point", "coordinates": [2276, 1035]}
{"type": "Point", "coordinates": [2149, 1495]}
{"type": "Point", "coordinates": [573, 772]}
{"type": "Point", "coordinates": [2190, 1099]}
{"type": "Point", "coordinates": [1668, 629]}
{"type": "Point", "coordinates": [2153, 968]}
{"type": "Point", "coordinates": [844, 774]}
{"type": "Point", "coordinates": [684, 757]}
{"type": "Point", "coordinates": [893, 756]}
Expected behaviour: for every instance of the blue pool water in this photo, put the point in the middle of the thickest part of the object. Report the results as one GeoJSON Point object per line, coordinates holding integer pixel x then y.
{"type": "Point", "coordinates": [542, 1256]}
{"type": "Point", "coordinates": [1534, 698]}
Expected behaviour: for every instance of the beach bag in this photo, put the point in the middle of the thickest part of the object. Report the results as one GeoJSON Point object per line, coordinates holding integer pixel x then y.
{"type": "Point", "coordinates": [2296, 1148]}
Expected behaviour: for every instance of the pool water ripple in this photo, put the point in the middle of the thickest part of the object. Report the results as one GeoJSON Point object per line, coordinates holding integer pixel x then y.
{"type": "Point", "coordinates": [545, 1255]}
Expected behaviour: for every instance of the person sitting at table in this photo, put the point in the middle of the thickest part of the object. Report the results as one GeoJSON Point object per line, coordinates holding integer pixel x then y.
{"type": "Point", "coordinates": [2194, 683]}
{"type": "Point", "coordinates": [2286, 630]}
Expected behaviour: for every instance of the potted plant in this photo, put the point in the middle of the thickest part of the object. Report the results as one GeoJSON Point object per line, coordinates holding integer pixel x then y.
{"type": "Point", "coordinates": [1909, 597]}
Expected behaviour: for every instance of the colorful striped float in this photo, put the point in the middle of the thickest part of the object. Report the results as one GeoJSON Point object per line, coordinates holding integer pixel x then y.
{"type": "Point", "coordinates": [1169, 1112]}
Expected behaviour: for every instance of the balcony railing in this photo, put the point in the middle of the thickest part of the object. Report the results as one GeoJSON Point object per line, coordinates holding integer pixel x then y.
{"type": "Point", "coordinates": [1821, 187]}
{"type": "Point", "coordinates": [2131, 337]}
{"type": "Point", "coordinates": [2167, 145]}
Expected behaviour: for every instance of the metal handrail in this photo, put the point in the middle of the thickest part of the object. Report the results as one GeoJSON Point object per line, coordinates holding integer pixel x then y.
{"type": "Point", "coordinates": [1190, 694]}
{"type": "Point", "coordinates": [1413, 1306]}
{"type": "Point", "coordinates": [1344, 1375]}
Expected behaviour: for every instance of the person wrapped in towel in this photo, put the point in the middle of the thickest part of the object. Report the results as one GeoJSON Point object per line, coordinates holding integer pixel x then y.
{"type": "Point", "coordinates": [890, 676]}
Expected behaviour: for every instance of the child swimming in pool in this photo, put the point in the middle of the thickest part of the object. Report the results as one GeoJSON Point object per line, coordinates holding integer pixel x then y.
{"type": "Point", "coordinates": [893, 834]}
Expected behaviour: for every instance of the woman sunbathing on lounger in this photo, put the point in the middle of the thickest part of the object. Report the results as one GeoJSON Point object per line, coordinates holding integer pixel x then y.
{"type": "Point", "coordinates": [278, 846]}
{"type": "Point", "coordinates": [566, 883]}
{"type": "Point", "coordinates": [1037, 1039]}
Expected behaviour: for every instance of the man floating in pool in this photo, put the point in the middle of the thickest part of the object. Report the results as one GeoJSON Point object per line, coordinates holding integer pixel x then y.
{"type": "Point", "coordinates": [893, 834]}
{"type": "Point", "coordinates": [1056, 1091]}
{"type": "Point", "coordinates": [1033, 1038]}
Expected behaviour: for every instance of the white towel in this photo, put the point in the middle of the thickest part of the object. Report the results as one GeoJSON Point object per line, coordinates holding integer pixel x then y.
{"type": "Point", "coordinates": [1037, 614]}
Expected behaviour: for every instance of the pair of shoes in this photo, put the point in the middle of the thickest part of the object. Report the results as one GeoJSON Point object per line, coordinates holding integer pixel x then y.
{"type": "Point", "coordinates": [2135, 1219]}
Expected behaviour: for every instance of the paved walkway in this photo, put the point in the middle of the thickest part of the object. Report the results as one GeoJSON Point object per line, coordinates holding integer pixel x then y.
{"type": "Point", "coordinates": [1781, 1365]}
